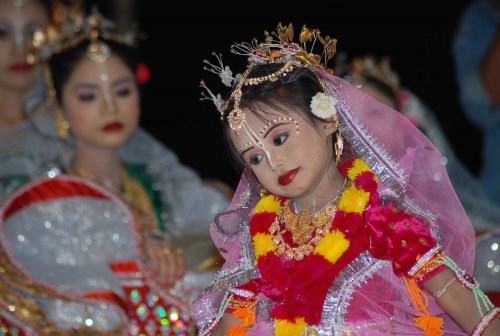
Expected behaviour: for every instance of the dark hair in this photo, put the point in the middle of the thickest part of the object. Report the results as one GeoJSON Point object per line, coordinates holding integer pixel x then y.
{"type": "Point", "coordinates": [63, 64]}
{"type": "Point", "coordinates": [293, 90]}
{"type": "Point", "coordinates": [384, 89]}
{"type": "Point", "coordinates": [46, 4]}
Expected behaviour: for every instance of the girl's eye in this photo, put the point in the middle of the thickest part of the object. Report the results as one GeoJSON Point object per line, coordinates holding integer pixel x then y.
{"type": "Point", "coordinates": [255, 159]}
{"type": "Point", "coordinates": [123, 92]}
{"type": "Point", "coordinates": [86, 97]}
{"type": "Point", "coordinates": [4, 32]}
{"type": "Point", "coordinates": [280, 139]}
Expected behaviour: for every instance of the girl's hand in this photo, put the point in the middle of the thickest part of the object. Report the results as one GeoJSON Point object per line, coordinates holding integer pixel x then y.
{"type": "Point", "coordinates": [164, 260]}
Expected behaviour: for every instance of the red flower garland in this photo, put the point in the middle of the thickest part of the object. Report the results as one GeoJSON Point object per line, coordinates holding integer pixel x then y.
{"type": "Point", "coordinates": [299, 288]}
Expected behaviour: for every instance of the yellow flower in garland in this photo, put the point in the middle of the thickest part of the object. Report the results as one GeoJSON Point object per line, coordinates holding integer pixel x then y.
{"type": "Point", "coordinates": [263, 244]}
{"type": "Point", "coordinates": [269, 203]}
{"type": "Point", "coordinates": [358, 167]}
{"type": "Point", "coordinates": [354, 200]}
{"type": "Point", "coordinates": [262, 240]}
{"type": "Point", "coordinates": [332, 246]}
{"type": "Point", "coordinates": [290, 328]}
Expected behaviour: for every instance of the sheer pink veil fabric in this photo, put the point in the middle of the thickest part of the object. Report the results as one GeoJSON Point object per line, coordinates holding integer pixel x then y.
{"type": "Point", "coordinates": [409, 166]}
{"type": "Point", "coordinates": [411, 174]}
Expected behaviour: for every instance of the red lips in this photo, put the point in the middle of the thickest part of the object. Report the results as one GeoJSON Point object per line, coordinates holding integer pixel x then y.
{"type": "Point", "coordinates": [113, 127]}
{"type": "Point", "coordinates": [20, 67]}
{"type": "Point", "coordinates": [288, 177]}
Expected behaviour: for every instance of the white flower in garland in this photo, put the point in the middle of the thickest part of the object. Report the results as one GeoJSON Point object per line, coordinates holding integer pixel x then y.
{"type": "Point", "coordinates": [323, 106]}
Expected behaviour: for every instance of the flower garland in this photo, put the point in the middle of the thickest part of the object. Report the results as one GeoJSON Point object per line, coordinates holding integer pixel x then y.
{"type": "Point", "coordinates": [298, 288]}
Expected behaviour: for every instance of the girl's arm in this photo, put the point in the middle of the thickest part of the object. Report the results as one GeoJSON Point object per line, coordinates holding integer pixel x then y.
{"type": "Point", "coordinates": [228, 321]}
{"type": "Point", "coordinates": [420, 261]}
{"type": "Point", "coordinates": [460, 304]}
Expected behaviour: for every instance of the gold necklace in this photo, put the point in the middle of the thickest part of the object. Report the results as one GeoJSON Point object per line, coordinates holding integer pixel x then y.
{"type": "Point", "coordinates": [302, 225]}
{"type": "Point", "coordinates": [307, 230]}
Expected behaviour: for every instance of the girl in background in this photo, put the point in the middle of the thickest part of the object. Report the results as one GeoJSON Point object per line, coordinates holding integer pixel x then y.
{"type": "Point", "coordinates": [102, 248]}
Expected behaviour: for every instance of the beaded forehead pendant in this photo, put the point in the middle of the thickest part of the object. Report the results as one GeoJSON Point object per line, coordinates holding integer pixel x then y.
{"type": "Point", "coordinates": [277, 48]}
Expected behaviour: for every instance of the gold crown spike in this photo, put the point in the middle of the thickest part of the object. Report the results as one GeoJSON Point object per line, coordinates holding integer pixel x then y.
{"type": "Point", "coordinates": [278, 48]}
{"type": "Point", "coordinates": [69, 27]}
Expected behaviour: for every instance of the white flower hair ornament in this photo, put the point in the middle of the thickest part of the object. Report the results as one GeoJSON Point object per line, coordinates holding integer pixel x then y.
{"type": "Point", "coordinates": [323, 106]}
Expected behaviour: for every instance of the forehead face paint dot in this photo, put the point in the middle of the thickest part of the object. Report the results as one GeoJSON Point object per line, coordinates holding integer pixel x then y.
{"type": "Point", "coordinates": [99, 53]}
{"type": "Point", "coordinates": [19, 21]}
{"type": "Point", "coordinates": [245, 145]}
{"type": "Point", "coordinates": [269, 124]}
{"type": "Point", "coordinates": [256, 141]}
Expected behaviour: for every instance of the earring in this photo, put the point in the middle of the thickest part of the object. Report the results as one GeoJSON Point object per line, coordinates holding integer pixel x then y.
{"type": "Point", "coordinates": [339, 147]}
{"type": "Point", "coordinates": [62, 125]}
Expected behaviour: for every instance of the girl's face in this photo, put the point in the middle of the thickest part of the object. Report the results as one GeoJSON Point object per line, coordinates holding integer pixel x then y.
{"type": "Point", "coordinates": [17, 25]}
{"type": "Point", "coordinates": [101, 114]}
{"type": "Point", "coordinates": [379, 95]}
{"type": "Point", "coordinates": [290, 156]}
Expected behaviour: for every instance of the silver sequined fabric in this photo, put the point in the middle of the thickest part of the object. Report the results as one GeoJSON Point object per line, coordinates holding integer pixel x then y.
{"type": "Point", "coordinates": [69, 244]}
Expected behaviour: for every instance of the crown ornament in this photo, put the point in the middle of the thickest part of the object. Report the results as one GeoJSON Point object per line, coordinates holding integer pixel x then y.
{"type": "Point", "coordinates": [70, 26]}
{"type": "Point", "coordinates": [370, 66]}
{"type": "Point", "coordinates": [278, 47]}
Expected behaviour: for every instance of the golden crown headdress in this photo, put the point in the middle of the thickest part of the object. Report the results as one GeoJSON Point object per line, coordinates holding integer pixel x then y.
{"type": "Point", "coordinates": [375, 67]}
{"type": "Point", "coordinates": [278, 48]}
{"type": "Point", "coordinates": [70, 26]}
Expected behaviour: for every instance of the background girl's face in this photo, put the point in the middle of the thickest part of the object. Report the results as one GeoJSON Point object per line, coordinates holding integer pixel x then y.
{"type": "Point", "coordinates": [17, 25]}
{"type": "Point", "coordinates": [379, 95]}
{"type": "Point", "coordinates": [101, 114]}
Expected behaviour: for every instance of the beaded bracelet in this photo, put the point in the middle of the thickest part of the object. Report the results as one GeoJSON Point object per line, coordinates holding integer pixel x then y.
{"type": "Point", "coordinates": [468, 281]}
{"type": "Point", "coordinates": [426, 260]}
{"type": "Point", "coordinates": [485, 322]}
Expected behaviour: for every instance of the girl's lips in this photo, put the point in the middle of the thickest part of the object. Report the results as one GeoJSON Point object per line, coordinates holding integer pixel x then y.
{"type": "Point", "coordinates": [288, 177]}
{"type": "Point", "coordinates": [20, 67]}
{"type": "Point", "coordinates": [113, 127]}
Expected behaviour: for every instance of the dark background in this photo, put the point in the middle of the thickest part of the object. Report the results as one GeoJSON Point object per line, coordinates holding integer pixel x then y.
{"type": "Point", "coordinates": [416, 36]}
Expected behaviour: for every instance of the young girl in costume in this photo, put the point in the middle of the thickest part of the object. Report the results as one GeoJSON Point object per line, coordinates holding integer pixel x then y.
{"type": "Point", "coordinates": [345, 221]}
{"type": "Point", "coordinates": [100, 249]}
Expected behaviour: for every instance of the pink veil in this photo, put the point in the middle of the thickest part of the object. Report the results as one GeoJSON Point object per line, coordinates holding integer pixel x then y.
{"type": "Point", "coordinates": [411, 174]}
